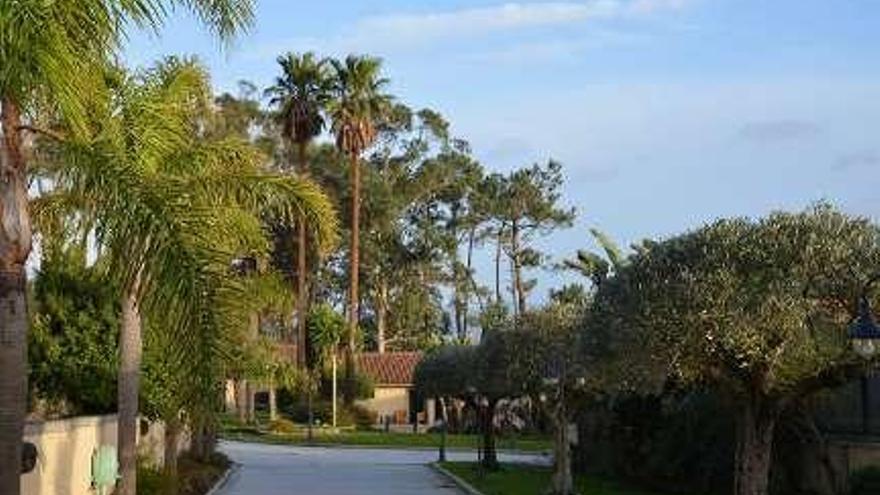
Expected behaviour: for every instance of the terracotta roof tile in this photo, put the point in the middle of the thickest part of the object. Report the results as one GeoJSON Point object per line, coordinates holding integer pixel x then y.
{"type": "Point", "coordinates": [389, 368]}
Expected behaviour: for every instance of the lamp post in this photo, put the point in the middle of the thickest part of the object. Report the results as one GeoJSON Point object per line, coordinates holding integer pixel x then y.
{"type": "Point", "coordinates": [864, 332]}
{"type": "Point", "coordinates": [865, 337]}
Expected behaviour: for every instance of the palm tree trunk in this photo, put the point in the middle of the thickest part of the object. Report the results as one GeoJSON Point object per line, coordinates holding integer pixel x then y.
{"type": "Point", "coordinates": [15, 246]}
{"type": "Point", "coordinates": [172, 442]}
{"type": "Point", "coordinates": [381, 314]}
{"type": "Point", "coordinates": [130, 348]}
{"type": "Point", "coordinates": [301, 277]}
{"type": "Point", "coordinates": [354, 301]}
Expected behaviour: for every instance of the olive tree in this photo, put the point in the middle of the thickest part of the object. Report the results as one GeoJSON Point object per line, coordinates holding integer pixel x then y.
{"type": "Point", "coordinates": [446, 374]}
{"type": "Point", "coordinates": [756, 309]}
{"type": "Point", "coordinates": [547, 367]}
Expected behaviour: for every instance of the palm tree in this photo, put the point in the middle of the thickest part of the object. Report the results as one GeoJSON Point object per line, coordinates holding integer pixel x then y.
{"type": "Point", "coordinates": [172, 209]}
{"type": "Point", "coordinates": [300, 95]}
{"type": "Point", "coordinates": [50, 56]}
{"type": "Point", "coordinates": [357, 108]}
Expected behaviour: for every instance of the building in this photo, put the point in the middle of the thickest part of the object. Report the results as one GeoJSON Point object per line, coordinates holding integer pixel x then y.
{"type": "Point", "coordinates": [395, 399]}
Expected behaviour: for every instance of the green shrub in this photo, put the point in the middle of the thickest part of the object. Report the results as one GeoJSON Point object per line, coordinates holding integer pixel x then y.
{"type": "Point", "coordinates": [193, 476]}
{"type": "Point", "coordinates": [72, 341]}
{"type": "Point", "coordinates": [282, 425]}
{"type": "Point", "coordinates": [865, 481]}
{"type": "Point", "coordinates": [364, 418]}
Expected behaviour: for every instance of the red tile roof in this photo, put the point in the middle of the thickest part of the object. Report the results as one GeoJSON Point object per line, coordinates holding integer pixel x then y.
{"type": "Point", "coordinates": [389, 368]}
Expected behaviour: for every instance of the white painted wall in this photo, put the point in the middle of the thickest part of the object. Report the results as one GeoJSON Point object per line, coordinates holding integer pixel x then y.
{"type": "Point", "coordinates": [65, 448]}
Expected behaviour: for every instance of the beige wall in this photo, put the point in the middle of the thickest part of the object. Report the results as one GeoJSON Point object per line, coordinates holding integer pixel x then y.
{"type": "Point", "coordinates": [65, 447]}
{"type": "Point", "coordinates": [387, 400]}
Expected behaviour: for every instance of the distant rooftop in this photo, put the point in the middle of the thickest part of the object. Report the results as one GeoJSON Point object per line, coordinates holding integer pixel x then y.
{"type": "Point", "coordinates": [389, 368]}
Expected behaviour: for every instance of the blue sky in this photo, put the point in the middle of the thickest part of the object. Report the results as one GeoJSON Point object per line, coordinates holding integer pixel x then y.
{"type": "Point", "coordinates": [666, 113]}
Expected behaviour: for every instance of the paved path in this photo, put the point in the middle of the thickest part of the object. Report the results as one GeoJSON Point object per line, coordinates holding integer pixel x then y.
{"type": "Point", "coordinates": [289, 470]}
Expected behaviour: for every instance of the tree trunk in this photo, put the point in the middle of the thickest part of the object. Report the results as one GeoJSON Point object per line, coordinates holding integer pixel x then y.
{"type": "Point", "coordinates": [444, 415]}
{"type": "Point", "coordinates": [563, 483]}
{"type": "Point", "coordinates": [458, 277]}
{"type": "Point", "coordinates": [15, 246]}
{"type": "Point", "coordinates": [381, 314]}
{"type": "Point", "coordinates": [333, 388]}
{"type": "Point", "coordinates": [273, 401]}
{"type": "Point", "coordinates": [469, 275]}
{"type": "Point", "coordinates": [498, 266]}
{"type": "Point", "coordinates": [354, 297]}
{"type": "Point", "coordinates": [241, 400]}
{"type": "Point", "coordinates": [172, 442]}
{"type": "Point", "coordinates": [490, 453]}
{"type": "Point", "coordinates": [130, 348]}
{"type": "Point", "coordinates": [517, 270]}
{"type": "Point", "coordinates": [301, 276]}
{"type": "Point", "coordinates": [250, 405]}
{"type": "Point", "coordinates": [754, 445]}
{"type": "Point", "coordinates": [204, 440]}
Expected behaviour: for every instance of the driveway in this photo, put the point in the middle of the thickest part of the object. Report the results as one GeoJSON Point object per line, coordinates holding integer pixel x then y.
{"type": "Point", "coordinates": [291, 470]}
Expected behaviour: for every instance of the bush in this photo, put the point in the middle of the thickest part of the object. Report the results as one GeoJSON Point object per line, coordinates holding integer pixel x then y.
{"type": "Point", "coordinates": [363, 418]}
{"type": "Point", "coordinates": [72, 342]}
{"type": "Point", "coordinates": [281, 425]}
{"type": "Point", "coordinates": [865, 481]}
{"type": "Point", "coordinates": [193, 476]}
{"type": "Point", "coordinates": [682, 442]}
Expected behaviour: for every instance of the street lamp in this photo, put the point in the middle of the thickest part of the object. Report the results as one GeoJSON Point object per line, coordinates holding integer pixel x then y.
{"type": "Point", "coordinates": [864, 332]}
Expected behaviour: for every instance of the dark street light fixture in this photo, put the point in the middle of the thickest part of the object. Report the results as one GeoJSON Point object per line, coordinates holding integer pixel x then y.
{"type": "Point", "coordinates": [864, 332]}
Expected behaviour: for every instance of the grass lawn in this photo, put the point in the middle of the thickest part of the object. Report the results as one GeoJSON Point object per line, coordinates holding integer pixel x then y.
{"type": "Point", "coordinates": [515, 479]}
{"type": "Point", "coordinates": [325, 436]}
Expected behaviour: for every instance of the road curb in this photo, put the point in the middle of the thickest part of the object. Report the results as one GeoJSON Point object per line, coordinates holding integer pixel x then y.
{"type": "Point", "coordinates": [462, 484]}
{"type": "Point", "coordinates": [536, 453]}
{"type": "Point", "coordinates": [233, 468]}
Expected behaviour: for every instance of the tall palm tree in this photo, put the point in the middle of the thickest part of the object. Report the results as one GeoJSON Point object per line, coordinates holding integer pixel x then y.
{"type": "Point", "coordinates": [172, 208]}
{"type": "Point", "coordinates": [300, 96]}
{"type": "Point", "coordinates": [50, 53]}
{"type": "Point", "coordinates": [358, 106]}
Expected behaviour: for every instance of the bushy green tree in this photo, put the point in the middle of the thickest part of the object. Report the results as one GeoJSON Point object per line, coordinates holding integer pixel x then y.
{"type": "Point", "coordinates": [547, 366]}
{"type": "Point", "coordinates": [756, 309]}
{"type": "Point", "coordinates": [72, 343]}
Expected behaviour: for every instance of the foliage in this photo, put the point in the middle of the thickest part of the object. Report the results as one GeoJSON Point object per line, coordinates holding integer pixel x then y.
{"type": "Point", "coordinates": [171, 208]}
{"type": "Point", "coordinates": [446, 372]}
{"type": "Point", "coordinates": [756, 310]}
{"type": "Point", "coordinates": [194, 477]}
{"type": "Point", "coordinates": [864, 481]}
{"type": "Point", "coordinates": [358, 104]}
{"type": "Point", "coordinates": [742, 302]}
{"type": "Point", "coordinates": [326, 330]}
{"type": "Point", "coordinates": [282, 425]}
{"type": "Point", "coordinates": [597, 267]}
{"type": "Point", "coordinates": [679, 441]}
{"type": "Point", "coordinates": [72, 343]}
{"type": "Point", "coordinates": [516, 479]}
{"type": "Point", "coordinates": [524, 204]}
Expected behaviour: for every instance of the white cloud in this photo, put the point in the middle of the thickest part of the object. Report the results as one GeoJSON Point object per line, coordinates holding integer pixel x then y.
{"type": "Point", "coordinates": [508, 16]}
{"type": "Point", "coordinates": [404, 31]}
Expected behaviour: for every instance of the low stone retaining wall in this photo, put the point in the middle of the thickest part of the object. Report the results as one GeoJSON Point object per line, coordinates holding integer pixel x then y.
{"type": "Point", "coordinates": [65, 448]}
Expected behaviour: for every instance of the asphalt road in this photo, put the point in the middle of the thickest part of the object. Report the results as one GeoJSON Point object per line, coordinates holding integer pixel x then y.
{"type": "Point", "coordinates": [291, 470]}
